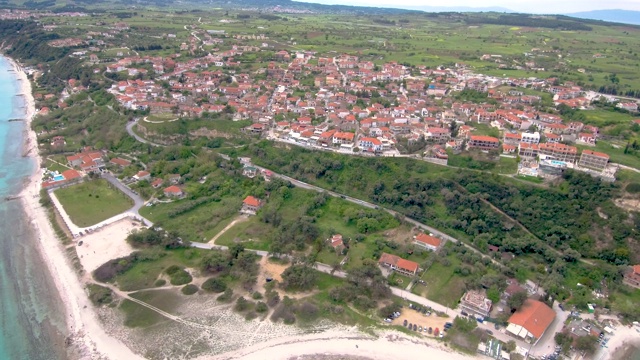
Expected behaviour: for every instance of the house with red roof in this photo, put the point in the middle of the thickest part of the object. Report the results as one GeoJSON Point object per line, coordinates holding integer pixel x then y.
{"type": "Point", "coordinates": [483, 142]}
{"type": "Point", "coordinates": [427, 242]}
{"type": "Point", "coordinates": [142, 175]}
{"type": "Point", "coordinates": [337, 243]}
{"type": "Point", "coordinates": [531, 321]}
{"type": "Point", "coordinates": [251, 205]}
{"type": "Point", "coordinates": [173, 191]}
{"type": "Point", "coordinates": [396, 263]}
{"type": "Point", "coordinates": [120, 162]}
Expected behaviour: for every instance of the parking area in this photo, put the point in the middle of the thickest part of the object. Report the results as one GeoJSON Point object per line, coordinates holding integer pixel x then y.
{"type": "Point", "coordinates": [432, 321]}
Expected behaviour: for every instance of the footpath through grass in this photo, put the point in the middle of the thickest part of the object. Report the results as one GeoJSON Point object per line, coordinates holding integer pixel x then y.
{"type": "Point", "coordinates": [93, 201]}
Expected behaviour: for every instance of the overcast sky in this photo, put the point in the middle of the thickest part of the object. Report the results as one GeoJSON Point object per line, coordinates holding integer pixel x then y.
{"type": "Point", "coordinates": [529, 6]}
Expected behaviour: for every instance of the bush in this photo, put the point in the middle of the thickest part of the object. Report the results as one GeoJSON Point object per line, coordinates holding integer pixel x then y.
{"type": "Point", "coordinates": [251, 315]}
{"type": "Point", "coordinates": [633, 188]}
{"type": "Point", "coordinates": [180, 277]}
{"type": "Point", "coordinates": [307, 311]}
{"type": "Point", "coordinates": [226, 296]}
{"type": "Point", "coordinates": [242, 304]}
{"type": "Point", "coordinates": [109, 270]}
{"type": "Point", "coordinates": [388, 310]}
{"type": "Point", "coordinates": [99, 295]}
{"type": "Point", "coordinates": [172, 269]}
{"type": "Point", "coordinates": [261, 307]}
{"type": "Point", "coordinates": [256, 295]}
{"type": "Point", "coordinates": [214, 285]}
{"type": "Point", "coordinates": [189, 289]}
{"type": "Point", "coordinates": [160, 282]}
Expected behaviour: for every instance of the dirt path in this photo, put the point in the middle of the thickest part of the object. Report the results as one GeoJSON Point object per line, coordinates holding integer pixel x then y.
{"type": "Point", "coordinates": [239, 219]}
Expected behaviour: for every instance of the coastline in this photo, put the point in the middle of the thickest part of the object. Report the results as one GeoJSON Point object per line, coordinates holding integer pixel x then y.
{"type": "Point", "coordinates": [85, 331]}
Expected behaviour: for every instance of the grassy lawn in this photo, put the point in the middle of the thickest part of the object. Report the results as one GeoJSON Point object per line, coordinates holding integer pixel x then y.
{"type": "Point", "coordinates": [442, 285]}
{"type": "Point", "coordinates": [144, 274]}
{"type": "Point", "coordinates": [602, 118]}
{"type": "Point", "coordinates": [92, 202]}
{"type": "Point", "coordinates": [506, 166]}
{"type": "Point", "coordinates": [198, 224]}
{"type": "Point", "coordinates": [137, 315]}
{"type": "Point", "coordinates": [251, 234]}
{"type": "Point", "coordinates": [53, 166]}
{"type": "Point", "coordinates": [533, 179]}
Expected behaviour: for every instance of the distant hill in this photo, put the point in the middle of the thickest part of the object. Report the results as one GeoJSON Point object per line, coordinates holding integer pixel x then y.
{"type": "Point", "coordinates": [420, 7]}
{"type": "Point", "coordinates": [614, 15]}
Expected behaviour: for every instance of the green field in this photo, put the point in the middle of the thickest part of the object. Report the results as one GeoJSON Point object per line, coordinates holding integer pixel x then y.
{"type": "Point", "coordinates": [442, 284]}
{"type": "Point", "coordinates": [93, 201]}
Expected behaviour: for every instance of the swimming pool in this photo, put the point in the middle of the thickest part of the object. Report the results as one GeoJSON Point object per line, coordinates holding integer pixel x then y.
{"type": "Point", "coordinates": [58, 178]}
{"type": "Point", "coordinates": [560, 163]}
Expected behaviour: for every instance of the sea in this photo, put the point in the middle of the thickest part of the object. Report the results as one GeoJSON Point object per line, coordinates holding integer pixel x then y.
{"type": "Point", "coordinates": [32, 323]}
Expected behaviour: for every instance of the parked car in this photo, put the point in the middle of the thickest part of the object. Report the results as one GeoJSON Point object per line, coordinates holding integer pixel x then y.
{"type": "Point", "coordinates": [410, 326]}
{"type": "Point", "coordinates": [420, 328]}
{"type": "Point", "coordinates": [489, 332]}
{"type": "Point", "coordinates": [387, 320]}
{"type": "Point", "coordinates": [404, 323]}
{"type": "Point", "coordinates": [464, 313]}
{"type": "Point", "coordinates": [430, 330]}
{"type": "Point", "coordinates": [415, 327]}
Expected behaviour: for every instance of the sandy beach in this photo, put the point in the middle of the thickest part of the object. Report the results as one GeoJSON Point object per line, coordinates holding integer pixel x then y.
{"type": "Point", "coordinates": [388, 346]}
{"type": "Point", "coordinates": [85, 331]}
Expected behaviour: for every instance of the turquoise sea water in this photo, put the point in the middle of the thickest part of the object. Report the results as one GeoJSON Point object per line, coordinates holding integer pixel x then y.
{"type": "Point", "coordinates": [31, 319]}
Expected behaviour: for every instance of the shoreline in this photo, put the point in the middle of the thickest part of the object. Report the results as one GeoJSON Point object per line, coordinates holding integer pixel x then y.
{"type": "Point", "coordinates": [84, 330]}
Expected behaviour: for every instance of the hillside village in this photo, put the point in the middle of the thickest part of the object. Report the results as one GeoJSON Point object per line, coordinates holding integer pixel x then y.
{"type": "Point", "coordinates": [340, 103]}
{"type": "Point", "coordinates": [356, 107]}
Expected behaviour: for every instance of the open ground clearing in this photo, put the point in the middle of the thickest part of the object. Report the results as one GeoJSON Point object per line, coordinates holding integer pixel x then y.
{"type": "Point", "coordinates": [93, 201]}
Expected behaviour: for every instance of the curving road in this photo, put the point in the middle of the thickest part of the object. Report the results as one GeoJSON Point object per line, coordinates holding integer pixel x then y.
{"type": "Point", "coordinates": [130, 126]}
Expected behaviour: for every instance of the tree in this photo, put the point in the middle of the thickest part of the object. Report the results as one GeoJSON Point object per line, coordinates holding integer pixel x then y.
{"type": "Point", "coordinates": [516, 300]}
{"type": "Point", "coordinates": [586, 343]}
{"type": "Point", "coordinates": [214, 285]}
{"type": "Point", "coordinates": [493, 294]}
{"type": "Point", "coordinates": [299, 277]}
{"type": "Point", "coordinates": [214, 262]}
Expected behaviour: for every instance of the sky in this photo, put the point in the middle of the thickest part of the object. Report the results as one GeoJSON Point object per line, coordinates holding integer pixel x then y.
{"type": "Point", "coordinates": [527, 6]}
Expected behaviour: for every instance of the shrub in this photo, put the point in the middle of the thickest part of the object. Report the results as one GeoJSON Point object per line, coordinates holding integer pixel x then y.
{"type": "Point", "coordinates": [261, 307]}
{"type": "Point", "coordinates": [633, 188]}
{"type": "Point", "coordinates": [242, 304]}
{"type": "Point", "coordinates": [251, 315]}
{"type": "Point", "coordinates": [307, 311]}
{"type": "Point", "coordinates": [99, 295]}
{"type": "Point", "coordinates": [190, 289]}
{"type": "Point", "coordinates": [109, 270]}
{"type": "Point", "coordinates": [214, 285]}
{"type": "Point", "coordinates": [180, 277]}
{"type": "Point", "coordinates": [160, 282]}
{"type": "Point", "coordinates": [256, 295]}
{"type": "Point", "coordinates": [226, 296]}
{"type": "Point", "coordinates": [172, 269]}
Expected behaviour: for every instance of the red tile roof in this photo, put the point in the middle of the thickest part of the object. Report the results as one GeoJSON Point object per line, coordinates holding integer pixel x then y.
{"type": "Point", "coordinates": [251, 201]}
{"type": "Point", "coordinates": [484, 138]}
{"type": "Point", "coordinates": [535, 316]}
{"type": "Point", "coordinates": [429, 240]}
{"type": "Point", "coordinates": [173, 190]}
{"type": "Point", "coordinates": [407, 265]}
{"type": "Point", "coordinates": [70, 174]}
{"type": "Point", "coordinates": [595, 153]}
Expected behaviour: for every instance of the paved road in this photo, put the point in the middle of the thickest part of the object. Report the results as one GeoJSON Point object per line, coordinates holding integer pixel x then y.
{"type": "Point", "coordinates": [137, 200]}
{"type": "Point", "coordinates": [130, 126]}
